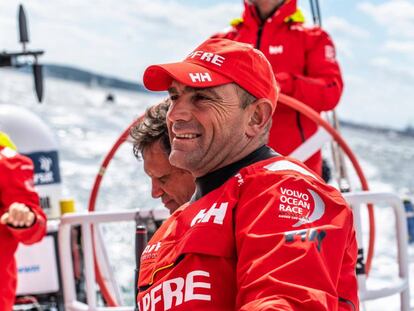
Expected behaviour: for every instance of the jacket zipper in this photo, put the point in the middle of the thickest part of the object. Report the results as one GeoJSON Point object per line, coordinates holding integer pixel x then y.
{"type": "Point", "coordinates": [258, 42]}
{"type": "Point", "coordinates": [259, 36]}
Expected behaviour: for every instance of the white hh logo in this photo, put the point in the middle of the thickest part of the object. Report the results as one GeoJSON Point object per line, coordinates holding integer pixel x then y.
{"type": "Point", "coordinates": [200, 77]}
{"type": "Point", "coordinates": [217, 214]}
{"type": "Point", "coordinates": [215, 59]}
{"type": "Point", "coordinates": [275, 49]}
{"type": "Point", "coordinates": [174, 292]}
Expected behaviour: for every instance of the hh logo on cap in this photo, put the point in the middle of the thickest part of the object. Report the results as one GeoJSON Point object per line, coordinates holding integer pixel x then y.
{"type": "Point", "coordinates": [209, 57]}
{"type": "Point", "coordinates": [200, 77]}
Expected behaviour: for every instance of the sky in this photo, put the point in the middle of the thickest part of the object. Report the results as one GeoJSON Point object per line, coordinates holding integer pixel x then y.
{"type": "Point", "coordinates": [374, 41]}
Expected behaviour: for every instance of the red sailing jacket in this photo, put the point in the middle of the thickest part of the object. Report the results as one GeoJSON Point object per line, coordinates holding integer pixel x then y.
{"type": "Point", "coordinates": [304, 63]}
{"type": "Point", "coordinates": [273, 237]}
{"type": "Point", "coordinates": [16, 185]}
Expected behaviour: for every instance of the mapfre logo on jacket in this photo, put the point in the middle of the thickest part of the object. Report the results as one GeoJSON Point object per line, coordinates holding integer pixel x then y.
{"type": "Point", "coordinates": [177, 291]}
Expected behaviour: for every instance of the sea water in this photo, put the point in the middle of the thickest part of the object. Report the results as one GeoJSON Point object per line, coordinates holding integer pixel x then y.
{"type": "Point", "coordinates": [87, 127]}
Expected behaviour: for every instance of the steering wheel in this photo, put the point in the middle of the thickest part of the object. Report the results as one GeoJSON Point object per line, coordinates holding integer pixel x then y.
{"type": "Point", "coordinates": [324, 133]}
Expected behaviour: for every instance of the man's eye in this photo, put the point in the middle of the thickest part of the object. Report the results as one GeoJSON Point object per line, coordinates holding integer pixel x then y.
{"type": "Point", "coordinates": [173, 97]}
{"type": "Point", "coordinates": [163, 179]}
{"type": "Point", "coordinates": [198, 97]}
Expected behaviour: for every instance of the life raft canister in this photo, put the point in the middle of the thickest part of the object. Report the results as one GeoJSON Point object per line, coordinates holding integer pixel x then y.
{"type": "Point", "coordinates": [35, 139]}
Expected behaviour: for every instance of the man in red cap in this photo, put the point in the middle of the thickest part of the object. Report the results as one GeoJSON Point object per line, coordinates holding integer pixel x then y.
{"type": "Point", "coordinates": [262, 231]}
{"type": "Point", "coordinates": [21, 218]}
{"type": "Point", "coordinates": [303, 60]}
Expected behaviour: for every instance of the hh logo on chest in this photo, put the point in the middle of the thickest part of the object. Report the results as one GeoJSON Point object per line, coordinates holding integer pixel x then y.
{"type": "Point", "coordinates": [275, 49]}
{"type": "Point", "coordinates": [215, 214]}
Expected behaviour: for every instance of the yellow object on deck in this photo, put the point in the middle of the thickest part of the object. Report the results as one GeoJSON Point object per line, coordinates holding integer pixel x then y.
{"type": "Point", "coordinates": [67, 206]}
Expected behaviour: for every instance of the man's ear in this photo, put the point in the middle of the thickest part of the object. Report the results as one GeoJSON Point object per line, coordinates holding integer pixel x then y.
{"type": "Point", "coordinates": [259, 115]}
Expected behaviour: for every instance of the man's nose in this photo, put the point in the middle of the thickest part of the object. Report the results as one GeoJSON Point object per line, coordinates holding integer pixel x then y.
{"type": "Point", "coordinates": [156, 190]}
{"type": "Point", "coordinates": [180, 110]}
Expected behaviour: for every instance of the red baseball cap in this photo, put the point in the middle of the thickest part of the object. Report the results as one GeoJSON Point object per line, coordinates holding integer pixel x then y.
{"type": "Point", "coordinates": [217, 62]}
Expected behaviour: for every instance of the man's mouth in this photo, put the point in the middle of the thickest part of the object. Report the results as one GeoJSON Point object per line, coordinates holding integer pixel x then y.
{"type": "Point", "coordinates": [187, 136]}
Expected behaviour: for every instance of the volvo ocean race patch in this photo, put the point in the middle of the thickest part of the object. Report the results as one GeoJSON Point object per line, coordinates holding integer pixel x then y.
{"type": "Point", "coordinates": [302, 205]}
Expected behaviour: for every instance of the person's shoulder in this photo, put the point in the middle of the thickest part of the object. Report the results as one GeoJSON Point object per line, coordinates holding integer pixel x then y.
{"type": "Point", "coordinates": [284, 176]}
{"type": "Point", "coordinates": [11, 159]}
{"type": "Point", "coordinates": [230, 31]}
{"type": "Point", "coordinates": [311, 31]}
{"type": "Point", "coordinates": [7, 153]}
{"type": "Point", "coordinates": [282, 169]}
{"type": "Point", "coordinates": [280, 165]}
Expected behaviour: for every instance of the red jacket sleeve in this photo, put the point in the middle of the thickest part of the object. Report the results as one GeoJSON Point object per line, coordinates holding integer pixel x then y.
{"type": "Point", "coordinates": [16, 185]}
{"type": "Point", "coordinates": [321, 87]}
{"type": "Point", "coordinates": [287, 265]}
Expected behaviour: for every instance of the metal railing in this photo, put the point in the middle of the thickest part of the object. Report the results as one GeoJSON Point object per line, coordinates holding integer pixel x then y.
{"type": "Point", "coordinates": [401, 284]}
{"type": "Point", "coordinates": [86, 221]}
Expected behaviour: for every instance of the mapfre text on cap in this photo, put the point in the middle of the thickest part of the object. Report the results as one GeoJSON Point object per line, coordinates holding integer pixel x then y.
{"type": "Point", "coordinates": [208, 57]}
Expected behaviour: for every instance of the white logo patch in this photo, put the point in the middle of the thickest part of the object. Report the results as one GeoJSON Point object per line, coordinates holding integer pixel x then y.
{"type": "Point", "coordinates": [200, 77]}
{"type": "Point", "coordinates": [240, 180]}
{"type": "Point", "coordinates": [45, 163]}
{"type": "Point", "coordinates": [216, 214]}
{"type": "Point", "coordinates": [296, 205]}
{"type": "Point", "coordinates": [330, 53]}
{"type": "Point", "coordinates": [150, 251]}
{"type": "Point", "coordinates": [318, 210]}
{"type": "Point", "coordinates": [47, 175]}
{"type": "Point", "coordinates": [275, 49]}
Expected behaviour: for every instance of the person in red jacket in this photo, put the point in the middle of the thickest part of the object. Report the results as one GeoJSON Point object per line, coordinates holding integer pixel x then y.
{"type": "Point", "coordinates": [262, 231]}
{"type": "Point", "coordinates": [303, 60]}
{"type": "Point", "coordinates": [21, 218]}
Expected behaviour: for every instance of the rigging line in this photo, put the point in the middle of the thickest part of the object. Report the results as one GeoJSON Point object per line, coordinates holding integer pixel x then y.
{"type": "Point", "coordinates": [318, 12]}
{"type": "Point", "coordinates": [312, 6]}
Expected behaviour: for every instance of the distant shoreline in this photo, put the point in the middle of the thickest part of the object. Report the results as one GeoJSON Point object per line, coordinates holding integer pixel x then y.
{"type": "Point", "coordinates": [91, 79]}
{"type": "Point", "coordinates": [408, 131]}
{"type": "Point", "coordinates": [86, 77]}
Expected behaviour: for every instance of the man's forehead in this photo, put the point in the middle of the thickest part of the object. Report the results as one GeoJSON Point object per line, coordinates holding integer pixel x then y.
{"type": "Point", "coordinates": [155, 148]}
{"type": "Point", "coordinates": [155, 160]}
{"type": "Point", "coordinates": [183, 89]}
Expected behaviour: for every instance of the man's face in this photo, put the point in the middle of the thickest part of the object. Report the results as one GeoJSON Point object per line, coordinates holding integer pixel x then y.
{"type": "Point", "coordinates": [266, 6]}
{"type": "Point", "coordinates": [173, 185]}
{"type": "Point", "coordinates": [206, 126]}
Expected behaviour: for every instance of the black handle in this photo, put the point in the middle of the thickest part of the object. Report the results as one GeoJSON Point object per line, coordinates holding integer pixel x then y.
{"type": "Point", "coordinates": [141, 239]}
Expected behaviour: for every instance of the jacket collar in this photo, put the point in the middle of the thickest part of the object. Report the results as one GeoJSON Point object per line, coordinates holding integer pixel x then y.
{"type": "Point", "coordinates": [284, 13]}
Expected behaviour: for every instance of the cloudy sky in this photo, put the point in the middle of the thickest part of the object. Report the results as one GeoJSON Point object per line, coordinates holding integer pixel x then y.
{"type": "Point", "coordinates": [374, 39]}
